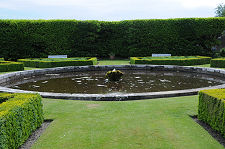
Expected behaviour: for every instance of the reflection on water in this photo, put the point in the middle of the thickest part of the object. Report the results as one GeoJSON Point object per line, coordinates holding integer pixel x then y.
{"type": "Point", "coordinates": [132, 82]}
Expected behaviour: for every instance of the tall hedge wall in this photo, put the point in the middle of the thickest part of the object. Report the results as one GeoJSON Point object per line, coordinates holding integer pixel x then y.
{"type": "Point", "coordinates": [39, 38]}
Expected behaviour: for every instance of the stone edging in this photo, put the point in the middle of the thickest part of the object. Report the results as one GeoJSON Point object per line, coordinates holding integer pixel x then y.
{"type": "Point", "coordinates": [111, 96]}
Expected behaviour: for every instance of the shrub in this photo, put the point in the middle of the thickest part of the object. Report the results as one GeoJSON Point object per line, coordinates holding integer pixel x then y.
{"type": "Point", "coordinates": [211, 108]}
{"type": "Point", "coordinates": [218, 63]}
{"type": "Point", "coordinates": [39, 38]}
{"type": "Point", "coordinates": [222, 52]}
{"type": "Point", "coordinates": [173, 60]}
{"type": "Point", "coordinates": [10, 66]}
{"type": "Point", "coordinates": [1, 59]}
{"type": "Point", "coordinates": [49, 63]}
{"type": "Point", "coordinates": [20, 115]}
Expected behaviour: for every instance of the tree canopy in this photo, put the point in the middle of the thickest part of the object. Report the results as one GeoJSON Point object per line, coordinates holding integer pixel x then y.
{"type": "Point", "coordinates": [220, 10]}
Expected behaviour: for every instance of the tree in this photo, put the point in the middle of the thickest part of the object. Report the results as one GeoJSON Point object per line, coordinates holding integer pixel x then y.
{"type": "Point", "coordinates": [220, 10]}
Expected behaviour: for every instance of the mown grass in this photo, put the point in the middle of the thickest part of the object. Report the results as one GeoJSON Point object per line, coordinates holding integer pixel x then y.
{"type": "Point", "coordinates": [145, 124]}
{"type": "Point", "coordinates": [114, 62]}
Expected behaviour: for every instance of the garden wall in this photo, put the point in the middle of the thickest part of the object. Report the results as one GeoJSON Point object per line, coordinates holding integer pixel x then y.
{"type": "Point", "coordinates": [39, 38]}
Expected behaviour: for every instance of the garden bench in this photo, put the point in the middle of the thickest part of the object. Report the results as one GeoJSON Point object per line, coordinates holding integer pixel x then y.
{"type": "Point", "coordinates": [159, 55]}
{"type": "Point", "coordinates": [57, 56]}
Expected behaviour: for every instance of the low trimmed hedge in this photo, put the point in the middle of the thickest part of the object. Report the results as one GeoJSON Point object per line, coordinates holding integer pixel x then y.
{"type": "Point", "coordinates": [173, 60]}
{"type": "Point", "coordinates": [218, 63]}
{"type": "Point", "coordinates": [211, 108]}
{"type": "Point", "coordinates": [10, 66]}
{"type": "Point", "coordinates": [20, 115]}
{"type": "Point", "coordinates": [49, 63]}
{"type": "Point", "coordinates": [1, 59]}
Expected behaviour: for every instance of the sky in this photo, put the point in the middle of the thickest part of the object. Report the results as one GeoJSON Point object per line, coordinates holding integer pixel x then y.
{"type": "Point", "coordinates": [107, 10]}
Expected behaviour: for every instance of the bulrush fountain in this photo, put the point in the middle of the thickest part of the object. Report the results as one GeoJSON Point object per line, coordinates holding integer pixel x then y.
{"type": "Point", "coordinates": [114, 75]}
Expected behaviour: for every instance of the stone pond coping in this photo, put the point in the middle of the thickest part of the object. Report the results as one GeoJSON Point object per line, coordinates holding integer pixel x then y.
{"type": "Point", "coordinates": [20, 75]}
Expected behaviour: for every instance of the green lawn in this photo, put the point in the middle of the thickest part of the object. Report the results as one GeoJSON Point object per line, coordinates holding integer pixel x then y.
{"type": "Point", "coordinates": [205, 65]}
{"type": "Point", "coordinates": [114, 62]}
{"type": "Point", "coordinates": [160, 123]}
{"type": "Point", "coordinates": [145, 124]}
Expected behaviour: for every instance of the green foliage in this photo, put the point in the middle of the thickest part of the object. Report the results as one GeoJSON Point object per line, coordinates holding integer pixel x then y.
{"type": "Point", "coordinates": [218, 62]}
{"type": "Point", "coordinates": [222, 52]}
{"type": "Point", "coordinates": [173, 60]}
{"type": "Point", "coordinates": [211, 108]}
{"type": "Point", "coordinates": [39, 38]}
{"type": "Point", "coordinates": [5, 97]}
{"type": "Point", "coordinates": [10, 66]}
{"type": "Point", "coordinates": [220, 10]}
{"type": "Point", "coordinates": [49, 63]}
{"type": "Point", "coordinates": [1, 59]}
{"type": "Point", "coordinates": [20, 115]}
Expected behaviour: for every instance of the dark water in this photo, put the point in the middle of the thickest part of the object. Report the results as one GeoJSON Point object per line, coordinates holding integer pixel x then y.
{"type": "Point", "coordinates": [132, 82]}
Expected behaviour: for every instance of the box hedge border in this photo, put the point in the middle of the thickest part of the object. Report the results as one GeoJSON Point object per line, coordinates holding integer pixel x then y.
{"type": "Point", "coordinates": [199, 60]}
{"type": "Point", "coordinates": [218, 63]}
{"type": "Point", "coordinates": [20, 115]}
{"type": "Point", "coordinates": [10, 66]}
{"type": "Point", "coordinates": [33, 62]}
{"type": "Point", "coordinates": [211, 109]}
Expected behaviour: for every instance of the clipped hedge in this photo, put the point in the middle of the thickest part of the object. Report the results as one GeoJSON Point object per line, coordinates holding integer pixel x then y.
{"type": "Point", "coordinates": [218, 63]}
{"type": "Point", "coordinates": [211, 108]}
{"type": "Point", "coordinates": [1, 59]}
{"type": "Point", "coordinates": [60, 62]}
{"type": "Point", "coordinates": [40, 38]}
{"type": "Point", "coordinates": [10, 66]}
{"type": "Point", "coordinates": [20, 115]}
{"type": "Point", "coordinates": [173, 60]}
